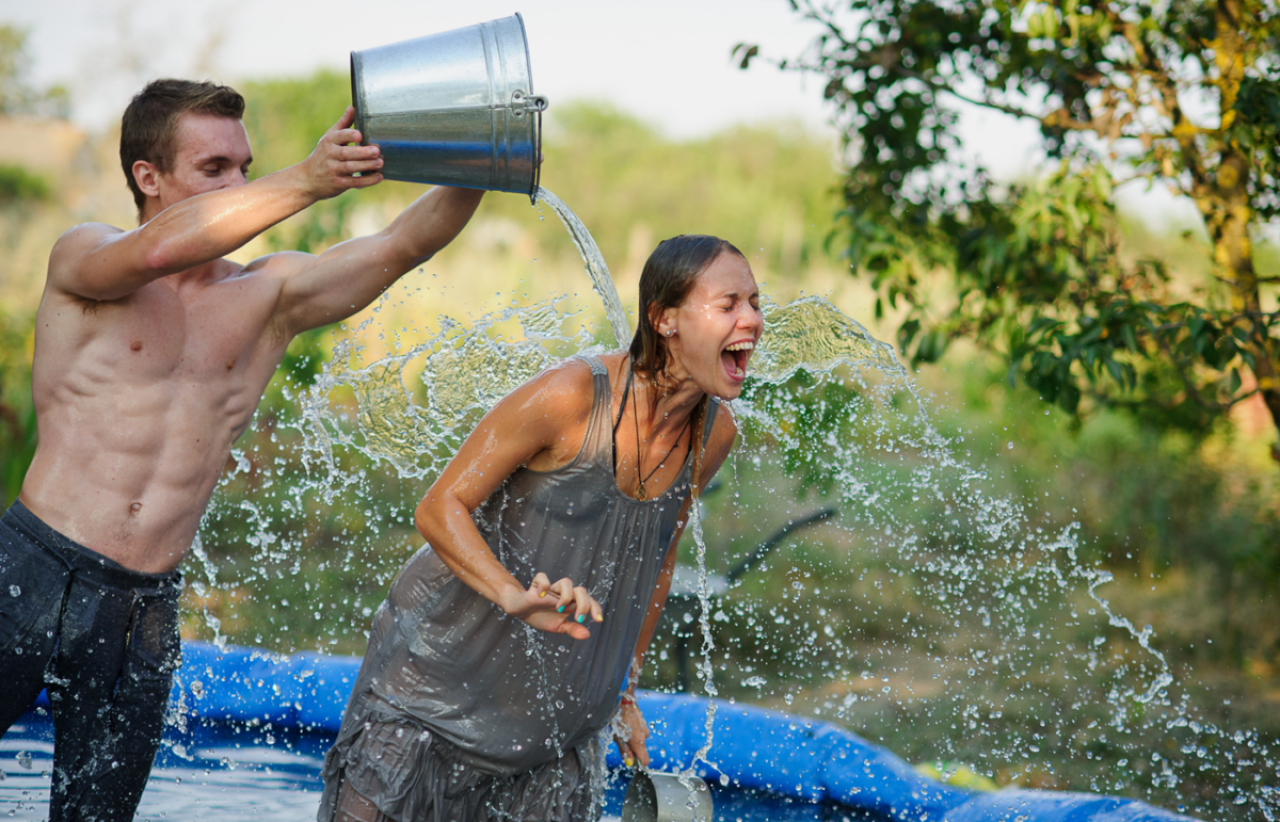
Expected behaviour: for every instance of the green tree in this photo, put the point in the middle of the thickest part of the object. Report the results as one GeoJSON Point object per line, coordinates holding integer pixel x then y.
{"type": "Point", "coordinates": [1180, 93]}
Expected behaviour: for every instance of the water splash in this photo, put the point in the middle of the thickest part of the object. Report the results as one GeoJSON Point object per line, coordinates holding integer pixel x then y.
{"type": "Point", "coordinates": [458, 372]}
{"type": "Point", "coordinates": [979, 621]}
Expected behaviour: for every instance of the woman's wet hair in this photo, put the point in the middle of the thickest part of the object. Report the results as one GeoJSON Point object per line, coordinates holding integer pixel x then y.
{"type": "Point", "coordinates": [668, 276]}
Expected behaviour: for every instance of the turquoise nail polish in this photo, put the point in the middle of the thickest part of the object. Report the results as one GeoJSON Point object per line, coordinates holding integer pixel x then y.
{"type": "Point", "coordinates": [560, 610]}
{"type": "Point", "coordinates": [580, 618]}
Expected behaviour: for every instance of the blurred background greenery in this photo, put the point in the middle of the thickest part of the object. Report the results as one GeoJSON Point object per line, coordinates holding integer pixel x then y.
{"type": "Point", "coordinates": [1188, 522]}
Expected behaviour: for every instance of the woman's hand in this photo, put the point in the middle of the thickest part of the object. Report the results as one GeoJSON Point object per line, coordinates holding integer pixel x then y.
{"type": "Point", "coordinates": [631, 732]}
{"type": "Point", "coordinates": [557, 608]}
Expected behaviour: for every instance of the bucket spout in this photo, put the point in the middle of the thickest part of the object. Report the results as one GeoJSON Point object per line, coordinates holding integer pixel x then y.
{"type": "Point", "coordinates": [455, 108]}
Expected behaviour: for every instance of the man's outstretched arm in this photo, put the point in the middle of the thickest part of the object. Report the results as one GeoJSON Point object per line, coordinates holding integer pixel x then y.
{"type": "Point", "coordinates": [351, 275]}
{"type": "Point", "coordinates": [104, 263]}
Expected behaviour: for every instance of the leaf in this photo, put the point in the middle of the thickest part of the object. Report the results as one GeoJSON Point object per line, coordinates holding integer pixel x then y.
{"type": "Point", "coordinates": [1113, 368]}
{"type": "Point", "coordinates": [749, 52]}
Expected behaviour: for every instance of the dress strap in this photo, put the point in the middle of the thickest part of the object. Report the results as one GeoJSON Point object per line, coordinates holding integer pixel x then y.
{"type": "Point", "coordinates": [593, 362]}
{"type": "Point", "coordinates": [622, 406]}
{"type": "Point", "coordinates": [597, 436]}
{"type": "Point", "coordinates": [713, 406]}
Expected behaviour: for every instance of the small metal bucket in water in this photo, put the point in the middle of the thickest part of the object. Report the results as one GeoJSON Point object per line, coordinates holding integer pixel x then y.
{"type": "Point", "coordinates": [455, 108]}
{"type": "Point", "coordinates": [653, 796]}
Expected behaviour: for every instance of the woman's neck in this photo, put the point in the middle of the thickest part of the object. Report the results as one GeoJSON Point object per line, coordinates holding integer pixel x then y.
{"type": "Point", "coordinates": [676, 401]}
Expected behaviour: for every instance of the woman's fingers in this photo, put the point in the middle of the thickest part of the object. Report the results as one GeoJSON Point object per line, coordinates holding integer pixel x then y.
{"type": "Point", "coordinates": [564, 588]}
{"type": "Point", "coordinates": [570, 606]}
{"type": "Point", "coordinates": [633, 749]}
{"type": "Point", "coordinates": [586, 606]}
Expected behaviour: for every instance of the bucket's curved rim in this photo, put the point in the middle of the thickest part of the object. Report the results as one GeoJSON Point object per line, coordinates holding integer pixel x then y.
{"type": "Point", "coordinates": [357, 99]}
{"type": "Point", "coordinates": [537, 128]}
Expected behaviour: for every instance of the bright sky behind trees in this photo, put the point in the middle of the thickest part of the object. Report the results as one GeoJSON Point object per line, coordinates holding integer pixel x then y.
{"type": "Point", "coordinates": [666, 61]}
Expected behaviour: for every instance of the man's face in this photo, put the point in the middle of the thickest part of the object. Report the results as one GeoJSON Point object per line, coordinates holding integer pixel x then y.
{"type": "Point", "coordinates": [210, 153]}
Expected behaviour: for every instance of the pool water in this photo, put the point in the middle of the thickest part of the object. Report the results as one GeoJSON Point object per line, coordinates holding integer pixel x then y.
{"type": "Point", "coordinates": [232, 771]}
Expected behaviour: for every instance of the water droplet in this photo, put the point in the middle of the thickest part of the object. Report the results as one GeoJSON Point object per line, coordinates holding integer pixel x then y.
{"type": "Point", "coordinates": [15, 591]}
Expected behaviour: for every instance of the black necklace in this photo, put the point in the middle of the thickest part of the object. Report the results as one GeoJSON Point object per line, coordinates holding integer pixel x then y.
{"type": "Point", "coordinates": [641, 494]}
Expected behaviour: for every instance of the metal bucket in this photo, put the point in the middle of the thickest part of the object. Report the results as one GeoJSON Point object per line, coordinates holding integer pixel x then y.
{"type": "Point", "coordinates": [455, 108]}
{"type": "Point", "coordinates": [653, 796]}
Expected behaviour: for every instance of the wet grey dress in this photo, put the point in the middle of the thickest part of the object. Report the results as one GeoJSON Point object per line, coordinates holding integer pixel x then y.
{"type": "Point", "coordinates": [461, 712]}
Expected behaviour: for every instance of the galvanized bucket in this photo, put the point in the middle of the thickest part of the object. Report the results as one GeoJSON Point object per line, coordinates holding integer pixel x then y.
{"type": "Point", "coordinates": [654, 796]}
{"type": "Point", "coordinates": [455, 108]}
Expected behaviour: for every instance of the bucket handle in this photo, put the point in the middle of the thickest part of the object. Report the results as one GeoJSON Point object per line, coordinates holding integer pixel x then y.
{"type": "Point", "coordinates": [522, 103]}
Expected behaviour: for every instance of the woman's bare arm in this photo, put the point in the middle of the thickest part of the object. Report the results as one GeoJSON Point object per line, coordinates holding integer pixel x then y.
{"type": "Point", "coordinates": [547, 414]}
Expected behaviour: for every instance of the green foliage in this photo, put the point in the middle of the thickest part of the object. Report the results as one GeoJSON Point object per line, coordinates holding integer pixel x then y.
{"type": "Point", "coordinates": [1038, 268]}
{"type": "Point", "coordinates": [17, 414]}
{"type": "Point", "coordinates": [18, 185]}
{"type": "Point", "coordinates": [770, 190]}
{"type": "Point", "coordinates": [285, 118]}
{"type": "Point", "coordinates": [1150, 503]}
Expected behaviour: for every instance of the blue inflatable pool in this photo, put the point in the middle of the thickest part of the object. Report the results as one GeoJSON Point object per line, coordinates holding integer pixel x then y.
{"type": "Point", "coordinates": [785, 756]}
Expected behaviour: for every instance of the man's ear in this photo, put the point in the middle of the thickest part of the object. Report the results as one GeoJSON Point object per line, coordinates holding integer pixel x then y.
{"type": "Point", "coordinates": [146, 175]}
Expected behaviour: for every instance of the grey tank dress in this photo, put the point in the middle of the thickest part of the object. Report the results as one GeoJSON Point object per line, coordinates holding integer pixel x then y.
{"type": "Point", "coordinates": [461, 712]}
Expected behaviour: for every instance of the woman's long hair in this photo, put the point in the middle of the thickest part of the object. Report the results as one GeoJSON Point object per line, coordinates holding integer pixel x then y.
{"type": "Point", "coordinates": [668, 277]}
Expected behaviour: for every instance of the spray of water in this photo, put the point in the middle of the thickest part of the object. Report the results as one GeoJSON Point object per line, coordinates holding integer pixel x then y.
{"type": "Point", "coordinates": [930, 604]}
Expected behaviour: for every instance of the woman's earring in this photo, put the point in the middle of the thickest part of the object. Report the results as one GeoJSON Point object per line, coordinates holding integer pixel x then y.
{"type": "Point", "coordinates": [670, 332]}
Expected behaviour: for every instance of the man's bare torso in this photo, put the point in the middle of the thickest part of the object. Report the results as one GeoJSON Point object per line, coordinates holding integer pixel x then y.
{"type": "Point", "coordinates": [138, 402]}
{"type": "Point", "coordinates": [152, 350]}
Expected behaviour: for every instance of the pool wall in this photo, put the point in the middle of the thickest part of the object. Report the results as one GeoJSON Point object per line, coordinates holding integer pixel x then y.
{"type": "Point", "coordinates": [755, 748]}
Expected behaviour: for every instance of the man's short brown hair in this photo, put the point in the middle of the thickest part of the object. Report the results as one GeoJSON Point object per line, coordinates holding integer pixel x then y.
{"type": "Point", "coordinates": [151, 120]}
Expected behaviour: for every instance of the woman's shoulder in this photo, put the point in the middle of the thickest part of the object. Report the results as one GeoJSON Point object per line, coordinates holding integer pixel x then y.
{"type": "Point", "coordinates": [578, 372]}
{"type": "Point", "coordinates": [564, 389]}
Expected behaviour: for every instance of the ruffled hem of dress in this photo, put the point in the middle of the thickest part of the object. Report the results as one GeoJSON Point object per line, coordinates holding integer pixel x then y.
{"type": "Point", "coordinates": [411, 774]}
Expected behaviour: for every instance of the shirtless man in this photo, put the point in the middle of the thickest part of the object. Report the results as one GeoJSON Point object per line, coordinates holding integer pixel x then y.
{"type": "Point", "coordinates": [151, 353]}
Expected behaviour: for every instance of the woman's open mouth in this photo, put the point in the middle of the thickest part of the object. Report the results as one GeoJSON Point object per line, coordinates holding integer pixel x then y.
{"type": "Point", "coordinates": [735, 356]}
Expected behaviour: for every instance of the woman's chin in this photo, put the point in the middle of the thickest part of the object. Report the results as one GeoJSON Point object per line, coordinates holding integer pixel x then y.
{"type": "Point", "coordinates": [727, 387]}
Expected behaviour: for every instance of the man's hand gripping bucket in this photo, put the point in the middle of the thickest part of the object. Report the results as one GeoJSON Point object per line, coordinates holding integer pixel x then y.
{"type": "Point", "coordinates": [654, 796]}
{"type": "Point", "coordinates": [455, 108]}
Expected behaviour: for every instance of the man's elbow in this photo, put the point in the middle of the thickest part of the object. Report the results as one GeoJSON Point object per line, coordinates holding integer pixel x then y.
{"type": "Point", "coordinates": [160, 259]}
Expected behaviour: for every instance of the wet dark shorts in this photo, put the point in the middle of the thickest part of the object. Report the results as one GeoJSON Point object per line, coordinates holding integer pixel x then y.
{"type": "Point", "coordinates": [103, 641]}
